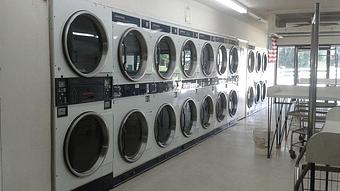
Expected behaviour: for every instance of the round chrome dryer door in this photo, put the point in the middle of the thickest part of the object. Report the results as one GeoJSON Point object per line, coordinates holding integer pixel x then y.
{"type": "Point", "coordinates": [258, 62]}
{"type": "Point", "coordinates": [188, 117]}
{"type": "Point", "coordinates": [233, 103]}
{"type": "Point", "coordinates": [265, 62]}
{"type": "Point", "coordinates": [221, 107]}
{"type": "Point", "coordinates": [165, 125]}
{"type": "Point", "coordinates": [251, 62]}
{"type": "Point", "coordinates": [188, 58]}
{"type": "Point", "coordinates": [264, 91]}
{"type": "Point", "coordinates": [86, 144]}
{"type": "Point", "coordinates": [258, 93]}
{"type": "Point", "coordinates": [133, 136]}
{"type": "Point", "coordinates": [207, 59]}
{"type": "Point", "coordinates": [233, 60]}
{"type": "Point", "coordinates": [85, 43]}
{"type": "Point", "coordinates": [165, 57]}
{"type": "Point", "coordinates": [222, 60]}
{"type": "Point", "coordinates": [207, 112]}
{"type": "Point", "coordinates": [250, 97]}
{"type": "Point", "coordinates": [133, 55]}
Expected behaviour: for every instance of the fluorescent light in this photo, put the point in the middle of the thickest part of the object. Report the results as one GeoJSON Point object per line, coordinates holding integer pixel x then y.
{"type": "Point", "coordinates": [233, 5]}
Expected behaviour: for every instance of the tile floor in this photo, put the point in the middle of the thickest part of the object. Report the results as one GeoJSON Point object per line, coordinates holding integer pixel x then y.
{"type": "Point", "coordinates": [225, 162]}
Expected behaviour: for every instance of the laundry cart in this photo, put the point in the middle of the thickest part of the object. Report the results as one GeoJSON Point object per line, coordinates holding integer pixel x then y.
{"type": "Point", "coordinates": [298, 125]}
{"type": "Point", "coordinates": [320, 168]}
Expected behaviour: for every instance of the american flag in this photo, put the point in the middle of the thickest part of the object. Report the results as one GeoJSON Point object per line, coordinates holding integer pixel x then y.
{"type": "Point", "coordinates": [272, 52]}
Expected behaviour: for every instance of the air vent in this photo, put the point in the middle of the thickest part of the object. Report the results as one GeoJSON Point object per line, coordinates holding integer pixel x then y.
{"type": "Point", "coordinates": [304, 19]}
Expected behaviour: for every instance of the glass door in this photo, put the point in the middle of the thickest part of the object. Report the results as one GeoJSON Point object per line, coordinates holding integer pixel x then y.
{"type": "Point", "coordinates": [303, 64]}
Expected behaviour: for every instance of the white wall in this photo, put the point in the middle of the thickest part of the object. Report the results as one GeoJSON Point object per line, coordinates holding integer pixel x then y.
{"type": "Point", "coordinates": [202, 17]}
{"type": "Point", "coordinates": [25, 95]}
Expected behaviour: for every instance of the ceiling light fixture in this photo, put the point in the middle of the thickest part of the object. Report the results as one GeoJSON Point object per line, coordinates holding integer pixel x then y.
{"type": "Point", "coordinates": [236, 6]}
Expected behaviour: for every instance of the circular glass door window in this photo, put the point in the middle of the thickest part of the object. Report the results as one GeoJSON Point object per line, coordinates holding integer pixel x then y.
{"type": "Point", "coordinates": [233, 60]}
{"type": "Point", "coordinates": [233, 102]}
{"type": "Point", "coordinates": [251, 62]}
{"type": "Point", "coordinates": [165, 125]}
{"type": "Point", "coordinates": [264, 91]}
{"type": "Point", "coordinates": [188, 117]}
{"type": "Point", "coordinates": [85, 43]}
{"type": "Point", "coordinates": [258, 93]}
{"type": "Point", "coordinates": [86, 144]}
{"type": "Point", "coordinates": [133, 55]}
{"type": "Point", "coordinates": [265, 62]}
{"type": "Point", "coordinates": [165, 57]}
{"type": "Point", "coordinates": [221, 107]}
{"type": "Point", "coordinates": [207, 111]}
{"type": "Point", "coordinates": [207, 59]}
{"type": "Point", "coordinates": [188, 58]}
{"type": "Point", "coordinates": [133, 136]}
{"type": "Point", "coordinates": [222, 60]}
{"type": "Point", "coordinates": [258, 61]}
{"type": "Point", "coordinates": [250, 97]}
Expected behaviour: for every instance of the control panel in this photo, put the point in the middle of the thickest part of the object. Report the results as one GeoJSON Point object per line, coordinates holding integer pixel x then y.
{"type": "Point", "coordinates": [70, 91]}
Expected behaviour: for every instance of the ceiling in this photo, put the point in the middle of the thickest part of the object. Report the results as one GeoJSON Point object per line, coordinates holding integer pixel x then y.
{"type": "Point", "coordinates": [265, 7]}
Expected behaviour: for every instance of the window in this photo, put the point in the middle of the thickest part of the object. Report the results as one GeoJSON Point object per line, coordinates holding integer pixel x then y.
{"type": "Point", "coordinates": [285, 65]}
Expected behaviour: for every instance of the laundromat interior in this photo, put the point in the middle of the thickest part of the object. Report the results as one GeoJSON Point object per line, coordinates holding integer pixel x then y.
{"type": "Point", "coordinates": [169, 95]}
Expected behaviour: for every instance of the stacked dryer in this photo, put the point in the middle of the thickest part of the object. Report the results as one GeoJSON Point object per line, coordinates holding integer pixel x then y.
{"type": "Point", "coordinates": [264, 80]}
{"type": "Point", "coordinates": [257, 79]}
{"type": "Point", "coordinates": [233, 82]}
{"type": "Point", "coordinates": [206, 93]}
{"type": "Point", "coordinates": [133, 105]}
{"type": "Point", "coordinates": [250, 96]}
{"type": "Point", "coordinates": [82, 127]}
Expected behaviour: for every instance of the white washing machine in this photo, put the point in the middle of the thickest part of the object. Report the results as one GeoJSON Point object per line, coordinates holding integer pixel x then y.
{"type": "Point", "coordinates": [81, 39]}
{"type": "Point", "coordinates": [82, 131]}
{"type": "Point", "coordinates": [165, 125]}
{"type": "Point", "coordinates": [206, 97]}
{"type": "Point", "coordinates": [133, 133]}
{"type": "Point", "coordinates": [133, 50]}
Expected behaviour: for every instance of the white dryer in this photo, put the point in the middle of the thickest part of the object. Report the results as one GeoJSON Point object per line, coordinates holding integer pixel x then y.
{"type": "Point", "coordinates": [257, 100]}
{"type": "Point", "coordinates": [233, 89]}
{"type": "Point", "coordinates": [206, 97]}
{"type": "Point", "coordinates": [132, 50]}
{"type": "Point", "coordinates": [133, 133]}
{"type": "Point", "coordinates": [166, 129]}
{"type": "Point", "coordinates": [188, 115]}
{"type": "Point", "coordinates": [206, 57]}
{"type": "Point", "coordinates": [264, 98]}
{"type": "Point", "coordinates": [81, 39]}
{"type": "Point", "coordinates": [221, 105]}
{"type": "Point", "coordinates": [250, 94]}
{"type": "Point", "coordinates": [222, 62]}
{"type": "Point", "coordinates": [165, 57]}
{"type": "Point", "coordinates": [82, 93]}
{"type": "Point", "coordinates": [82, 132]}
{"type": "Point", "coordinates": [189, 57]}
